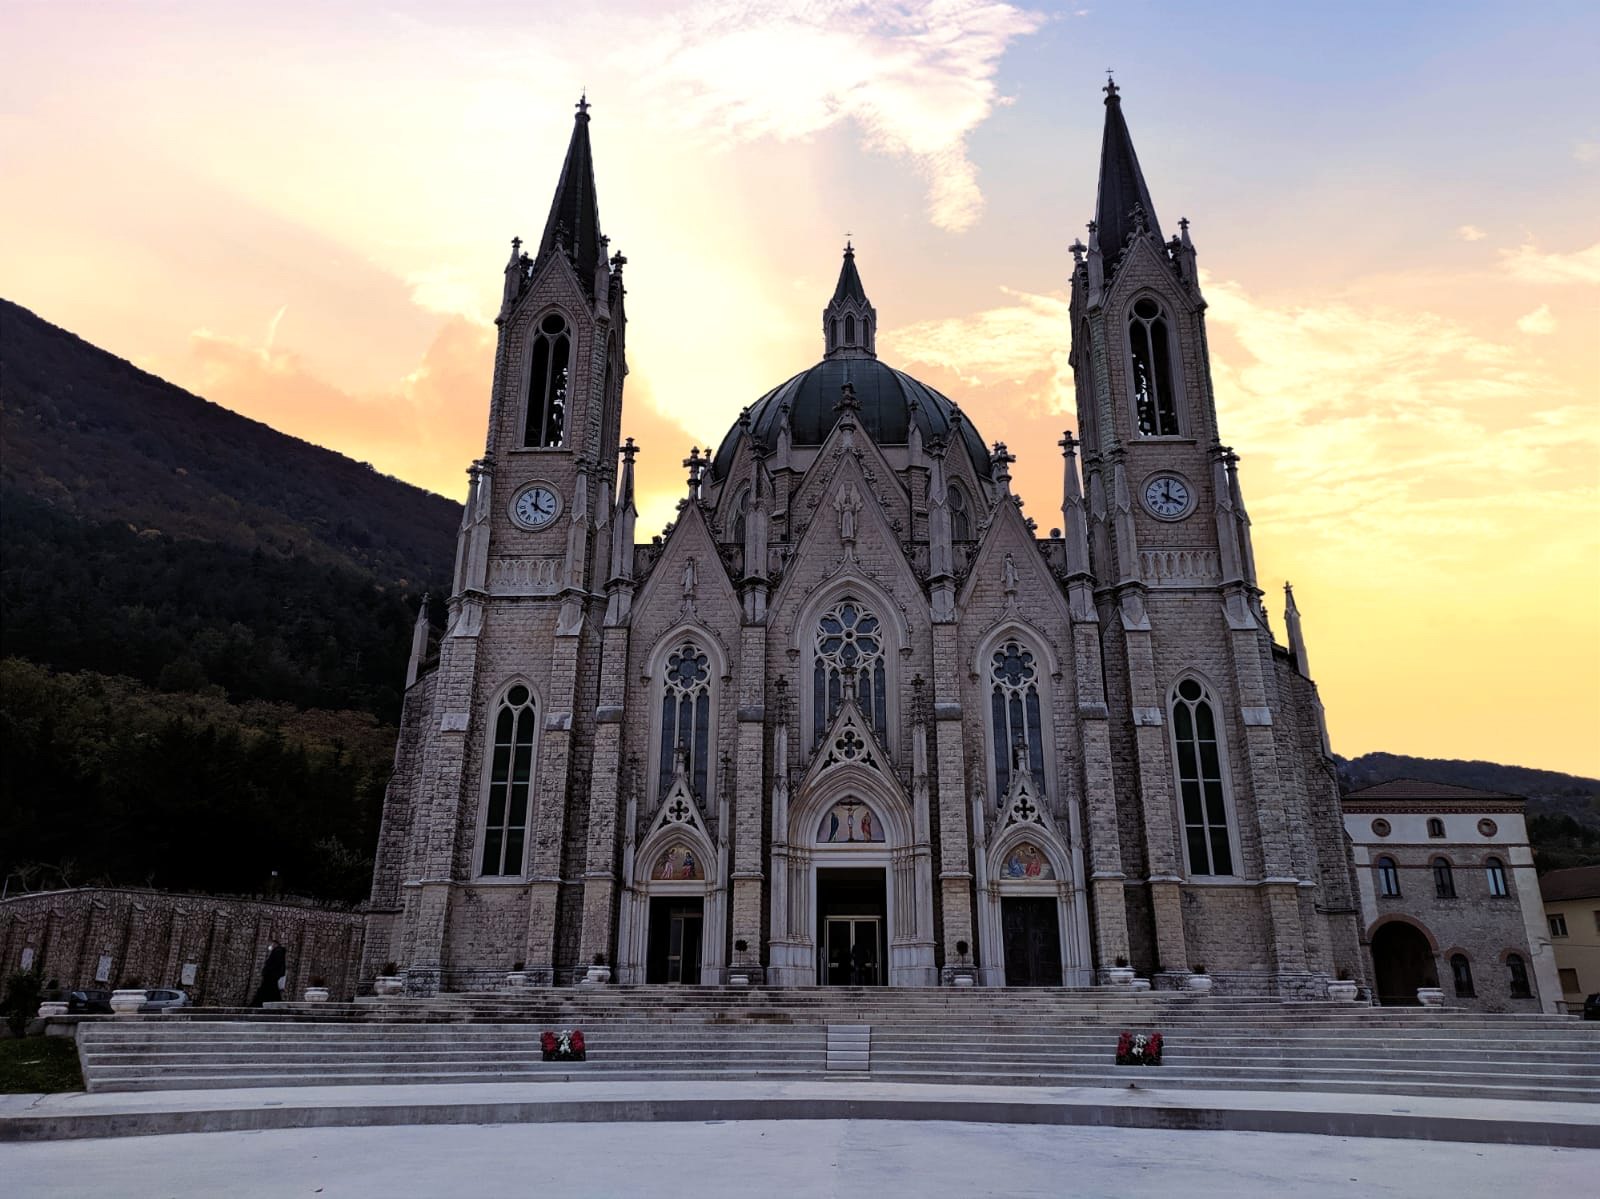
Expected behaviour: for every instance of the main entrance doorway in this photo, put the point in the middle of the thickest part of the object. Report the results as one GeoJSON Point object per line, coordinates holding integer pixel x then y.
{"type": "Point", "coordinates": [1403, 961]}
{"type": "Point", "coordinates": [852, 937]}
{"type": "Point", "coordinates": [1031, 929]}
{"type": "Point", "coordinates": [676, 926]}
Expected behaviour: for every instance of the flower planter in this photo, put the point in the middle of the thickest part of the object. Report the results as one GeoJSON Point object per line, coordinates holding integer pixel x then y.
{"type": "Point", "coordinates": [518, 980]}
{"type": "Point", "coordinates": [1426, 996]}
{"type": "Point", "coordinates": [738, 980]}
{"type": "Point", "coordinates": [1120, 976]}
{"type": "Point", "coordinates": [1343, 991]}
{"type": "Point", "coordinates": [1197, 982]}
{"type": "Point", "coordinates": [962, 980]}
{"type": "Point", "coordinates": [598, 975]}
{"type": "Point", "coordinates": [386, 985]}
{"type": "Point", "coordinates": [316, 995]}
{"type": "Point", "coordinates": [125, 1001]}
{"type": "Point", "coordinates": [52, 1007]}
{"type": "Point", "coordinates": [1140, 984]}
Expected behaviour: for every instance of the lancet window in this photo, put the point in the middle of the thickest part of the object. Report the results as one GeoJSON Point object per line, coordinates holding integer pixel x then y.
{"type": "Point", "coordinates": [548, 376]}
{"type": "Point", "coordinates": [1014, 713]}
{"type": "Point", "coordinates": [1150, 350]}
{"type": "Point", "coordinates": [1496, 871]}
{"type": "Point", "coordinates": [1388, 877]}
{"type": "Point", "coordinates": [686, 717]}
{"type": "Point", "coordinates": [849, 648]}
{"type": "Point", "coordinates": [960, 513]}
{"type": "Point", "coordinates": [741, 509]}
{"type": "Point", "coordinates": [1200, 781]}
{"type": "Point", "coordinates": [505, 828]}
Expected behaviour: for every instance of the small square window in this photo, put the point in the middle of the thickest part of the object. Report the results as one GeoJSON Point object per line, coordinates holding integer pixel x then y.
{"type": "Point", "coordinates": [1569, 981]}
{"type": "Point", "coordinates": [1558, 925]}
{"type": "Point", "coordinates": [1435, 827]}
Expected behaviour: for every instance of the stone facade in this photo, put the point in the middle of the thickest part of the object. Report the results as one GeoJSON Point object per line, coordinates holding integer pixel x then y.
{"type": "Point", "coordinates": [1447, 872]}
{"type": "Point", "coordinates": [209, 946]}
{"type": "Point", "coordinates": [851, 718]}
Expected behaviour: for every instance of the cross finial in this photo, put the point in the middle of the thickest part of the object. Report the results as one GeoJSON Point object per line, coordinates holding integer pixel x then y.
{"type": "Point", "coordinates": [1110, 88]}
{"type": "Point", "coordinates": [583, 103]}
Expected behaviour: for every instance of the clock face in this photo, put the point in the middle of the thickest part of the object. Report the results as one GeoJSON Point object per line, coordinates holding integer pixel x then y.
{"type": "Point", "coordinates": [535, 507]}
{"type": "Point", "coordinates": [1168, 497]}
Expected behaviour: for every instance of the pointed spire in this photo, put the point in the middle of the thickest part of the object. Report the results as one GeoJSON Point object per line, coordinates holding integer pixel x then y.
{"type": "Point", "coordinates": [1122, 186]}
{"type": "Point", "coordinates": [849, 322]}
{"type": "Point", "coordinates": [574, 221]}
{"type": "Point", "coordinates": [1297, 637]}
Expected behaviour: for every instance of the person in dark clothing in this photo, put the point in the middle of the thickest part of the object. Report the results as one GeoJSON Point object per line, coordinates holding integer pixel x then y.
{"type": "Point", "coordinates": [272, 976]}
{"type": "Point", "coordinates": [861, 960]}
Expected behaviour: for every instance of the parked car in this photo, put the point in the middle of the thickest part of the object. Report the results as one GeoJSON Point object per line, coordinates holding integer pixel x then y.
{"type": "Point", "coordinates": [88, 1000]}
{"type": "Point", "coordinates": [159, 999]}
{"type": "Point", "coordinates": [1591, 1007]}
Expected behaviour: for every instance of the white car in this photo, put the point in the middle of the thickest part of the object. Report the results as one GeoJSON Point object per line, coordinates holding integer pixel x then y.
{"type": "Point", "coordinates": [160, 999]}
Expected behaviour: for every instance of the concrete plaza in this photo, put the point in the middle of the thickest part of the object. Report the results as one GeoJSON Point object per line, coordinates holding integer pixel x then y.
{"type": "Point", "coordinates": [782, 1157]}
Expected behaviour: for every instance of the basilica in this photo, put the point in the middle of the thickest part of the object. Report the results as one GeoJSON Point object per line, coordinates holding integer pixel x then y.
{"type": "Point", "coordinates": [852, 719]}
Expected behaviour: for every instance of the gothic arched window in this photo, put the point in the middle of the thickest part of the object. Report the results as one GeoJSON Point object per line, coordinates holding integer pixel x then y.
{"type": "Point", "coordinates": [505, 829]}
{"type": "Point", "coordinates": [741, 509]}
{"type": "Point", "coordinates": [1444, 879]}
{"type": "Point", "coordinates": [1155, 402]}
{"type": "Point", "coordinates": [1014, 712]}
{"type": "Point", "coordinates": [849, 330]}
{"type": "Point", "coordinates": [960, 513]}
{"type": "Point", "coordinates": [686, 716]}
{"type": "Point", "coordinates": [835, 338]}
{"type": "Point", "coordinates": [1388, 877]}
{"type": "Point", "coordinates": [1517, 976]}
{"type": "Point", "coordinates": [849, 642]}
{"type": "Point", "coordinates": [546, 417]}
{"type": "Point", "coordinates": [1200, 781]}
{"type": "Point", "coordinates": [1461, 974]}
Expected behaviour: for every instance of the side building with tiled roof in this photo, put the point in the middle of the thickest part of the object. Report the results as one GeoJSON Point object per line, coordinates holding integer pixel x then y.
{"type": "Point", "coordinates": [1572, 918]}
{"type": "Point", "coordinates": [1449, 898]}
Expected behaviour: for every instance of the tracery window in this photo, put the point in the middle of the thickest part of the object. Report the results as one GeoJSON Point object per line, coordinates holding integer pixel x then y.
{"type": "Point", "coordinates": [1150, 350]}
{"type": "Point", "coordinates": [1014, 712]}
{"type": "Point", "coordinates": [1461, 974]}
{"type": "Point", "coordinates": [849, 643]}
{"type": "Point", "coordinates": [1444, 879]}
{"type": "Point", "coordinates": [960, 513]}
{"type": "Point", "coordinates": [686, 717]}
{"type": "Point", "coordinates": [1388, 877]}
{"type": "Point", "coordinates": [505, 828]}
{"type": "Point", "coordinates": [545, 419]}
{"type": "Point", "coordinates": [1496, 870]}
{"type": "Point", "coordinates": [1517, 976]}
{"type": "Point", "coordinates": [1200, 783]}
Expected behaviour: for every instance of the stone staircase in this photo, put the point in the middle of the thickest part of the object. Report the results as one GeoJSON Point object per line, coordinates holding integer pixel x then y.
{"type": "Point", "coordinates": [938, 1035]}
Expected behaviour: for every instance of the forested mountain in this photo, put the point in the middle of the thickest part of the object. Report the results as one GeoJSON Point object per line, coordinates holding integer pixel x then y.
{"type": "Point", "coordinates": [205, 627]}
{"type": "Point", "coordinates": [1563, 809]}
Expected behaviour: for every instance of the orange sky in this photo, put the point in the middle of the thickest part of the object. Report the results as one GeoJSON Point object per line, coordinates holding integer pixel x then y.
{"type": "Point", "coordinates": [302, 214]}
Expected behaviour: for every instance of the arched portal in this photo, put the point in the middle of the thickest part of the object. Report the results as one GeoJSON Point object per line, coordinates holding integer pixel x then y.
{"type": "Point", "coordinates": [854, 906]}
{"type": "Point", "coordinates": [1402, 961]}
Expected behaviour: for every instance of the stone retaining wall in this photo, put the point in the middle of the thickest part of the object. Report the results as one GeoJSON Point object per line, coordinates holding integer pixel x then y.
{"type": "Point", "coordinates": [99, 936]}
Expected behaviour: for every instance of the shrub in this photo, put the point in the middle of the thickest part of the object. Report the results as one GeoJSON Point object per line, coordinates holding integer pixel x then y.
{"type": "Point", "coordinates": [21, 1000]}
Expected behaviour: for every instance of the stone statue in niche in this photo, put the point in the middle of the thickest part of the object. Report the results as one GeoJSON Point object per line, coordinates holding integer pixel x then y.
{"type": "Point", "coordinates": [848, 505]}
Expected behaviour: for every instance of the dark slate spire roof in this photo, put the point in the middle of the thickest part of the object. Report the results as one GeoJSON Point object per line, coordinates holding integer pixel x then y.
{"type": "Point", "coordinates": [849, 285]}
{"type": "Point", "coordinates": [575, 213]}
{"type": "Point", "coordinates": [1121, 182]}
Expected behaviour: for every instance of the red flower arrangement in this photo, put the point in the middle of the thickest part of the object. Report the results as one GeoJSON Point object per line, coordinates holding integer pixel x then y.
{"type": "Point", "coordinates": [563, 1046]}
{"type": "Point", "coordinates": [1139, 1049]}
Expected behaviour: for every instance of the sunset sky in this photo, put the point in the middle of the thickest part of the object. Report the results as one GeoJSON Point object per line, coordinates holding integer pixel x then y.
{"type": "Point", "coordinates": [301, 211]}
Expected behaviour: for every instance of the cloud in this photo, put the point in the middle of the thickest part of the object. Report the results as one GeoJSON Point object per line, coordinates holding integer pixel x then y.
{"type": "Point", "coordinates": [914, 78]}
{"type": "Point", "coordinates": [425, 428]}
{"type": "Point", "coordinates": [1586, 152]}
{"type": "Point", "coordinates": [1470, 233]}
{"type": "Point", "coordinates": [1527, 264]}
{"type": "Point", "coordinates": [1539, 321]}
{"type": "Point", "coordinates": [1022, 346]}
